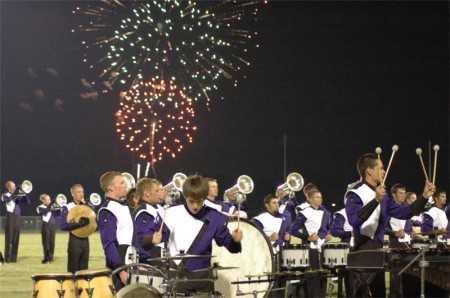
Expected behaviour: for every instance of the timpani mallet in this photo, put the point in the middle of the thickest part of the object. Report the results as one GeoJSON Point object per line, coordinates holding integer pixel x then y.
{"type": "Point", "coordinates": [378, 152]}
{"type": "Point", "coordinates": [436, 149]}
{"type": "Point", "coordinates": [394, 149]}
{"type": "Point", "coordinates": [419, 153]}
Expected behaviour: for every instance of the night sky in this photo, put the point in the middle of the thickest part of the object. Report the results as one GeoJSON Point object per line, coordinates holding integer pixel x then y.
{"type": "Point", "coordinates": [333, 79]}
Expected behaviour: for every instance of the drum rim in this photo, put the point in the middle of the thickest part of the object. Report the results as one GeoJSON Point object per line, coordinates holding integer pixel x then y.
{"type": "Point", "coordinates": [55, 276]}
{"type": "Point", "coordinates": [336, 245]}
{"type": "Point", "coordinates": [133, 286]}
{"type": "Point", "coordinates": [296, 245]}
{"type": "Point", "coordinates": [93, 273]}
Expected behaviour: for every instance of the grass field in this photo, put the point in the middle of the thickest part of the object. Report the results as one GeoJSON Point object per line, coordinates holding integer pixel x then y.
{"type": "Point", "coordinates": [15, 278]}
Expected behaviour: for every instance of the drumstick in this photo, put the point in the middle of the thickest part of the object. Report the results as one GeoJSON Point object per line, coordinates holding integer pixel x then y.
{"type": "Point", "coordinates": [394, 149]}
{"type": "Point", "coordinates": [419, 152]}
{"type": "Point", "coordinates": [164, 217]}
{"type": "Point", "coordinates": [239, 214]}
{"type": "Point", "coordinates": [436, 149]}
{"type": "Point", "coordinates": [378, 152]}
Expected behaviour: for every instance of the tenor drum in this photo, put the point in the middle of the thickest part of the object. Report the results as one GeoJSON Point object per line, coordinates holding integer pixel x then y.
{"type": "Point", "coordinates": [53, 285]}
{"type": "Point", "coordinates": [150, 276]}
{"type": "Point", "coordinates": [418, 243]}
{"type": "Point", "coordinates": [256, 258]}
{"type": "Point", "coordinates": [295, 256]}
{"type": "Point", "coordinates": [335, 254]}
{"type": "Point", "coordinates": [94, 284]}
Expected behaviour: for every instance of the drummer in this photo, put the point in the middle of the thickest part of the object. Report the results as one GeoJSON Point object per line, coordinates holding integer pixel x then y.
{"type": "Point", "coordinates": [435, 218]}
{"type": "Point", "coordinates": [193, 226]}
{"type": "Point", "coordinates": [78, 248]}
{"type": "Point", "coordinates": [273, 223]}
{"type": "Point", "coordinates": [315, 222]}
{"type": "Point", "coordinates": [147, 221]}
{"type": "Point", "coordinates": [115, 225]}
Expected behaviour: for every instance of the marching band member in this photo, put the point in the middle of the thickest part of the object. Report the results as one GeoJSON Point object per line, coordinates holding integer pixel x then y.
{"type": "Point", "coordinates": [14, 202]}
{"type": "Point", "coordinates": [48, 229]}
{"type": "Point", "coordinates": [273, 223]}
{"type": "Point", "coordinates": [315, 222]}
{"type": "Point", "coordinates": [147, 221]}
{"type": "Point", "coordinates": [416, 220]}
{"type": "Point", "coordinates": [115, 225]}
{"type": "Point", "coordinates": [400, 232]}
{"type": "Point", "coordinates": [228, 207]}
{"type": "Point", "coordinates": [368, 208]}
{"type": "Point", "coordinates": [342, 229]}
{"type": "Point", "coordinates": [132, 199]}
{"type": "Point", "coordinates": [78, 248]}
{"type": "Point", "coordinates": [435, 218]}
{"type": "Point", "coordinates": [193, 226]}
{"type": "Point", "coordinates": [307, 188]}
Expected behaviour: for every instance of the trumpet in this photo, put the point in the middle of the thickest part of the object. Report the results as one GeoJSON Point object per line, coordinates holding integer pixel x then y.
{"type": "Point", "coordinates": [26, 187]}
{"type": "Point", "coordinates": [129, 180]}
{"type": "Point", "coordinates": [294, 182]}
{"type": "Point", "coordinates": [174, 188]}
{"type": "Point", "coordinates": [239, 191]}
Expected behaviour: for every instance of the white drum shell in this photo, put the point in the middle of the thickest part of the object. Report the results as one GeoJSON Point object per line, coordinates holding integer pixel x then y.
{"type": "Point", "coordinates": [335, 254]}
{"type": "Point", "coordinates": [422, 242]}
{"type": "Point", "coordinates": [295, 256]}
{"type": "Point", "coordinates": [256, 258]}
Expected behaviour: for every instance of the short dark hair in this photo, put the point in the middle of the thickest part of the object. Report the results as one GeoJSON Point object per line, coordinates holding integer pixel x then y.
{"type": "Point", "coordinates": [368, 160]}
{"type": "Point", "coordinates": [396, 187]}
{"type": "Point", "coordinates": [269, 198]}
{"type": "Point", "coordinates": [438, 192]}
{"type": "Point", "coordinates": [195, 187]}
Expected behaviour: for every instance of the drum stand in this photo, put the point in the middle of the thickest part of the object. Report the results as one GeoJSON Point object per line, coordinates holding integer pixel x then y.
{"type": "Point", "coordinates": [422, 264]}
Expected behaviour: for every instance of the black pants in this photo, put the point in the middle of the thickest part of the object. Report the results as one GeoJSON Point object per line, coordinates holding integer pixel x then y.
{"type": "Point", "coordinates": [377, 285]}
{"type": "Point", "coordinates": [48, 240]}
{"type": "Point", "coordinates": [78, 254]}
{"type": "Point", "coordinates": [12, 235]}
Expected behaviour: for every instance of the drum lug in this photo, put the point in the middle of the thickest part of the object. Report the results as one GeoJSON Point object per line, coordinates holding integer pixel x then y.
{"type": "Point", "coordinates": [113, 290]}
{"type": "Point", "coordinates": [35, 293]}
{"type": "Point", "coordinates": [61, 293]}
{"type": "Point", "coordinates": [90, 292]}
{"type": "Point", "coordinates": [79, 291]}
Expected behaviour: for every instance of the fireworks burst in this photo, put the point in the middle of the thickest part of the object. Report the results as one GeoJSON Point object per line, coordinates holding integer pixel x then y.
{"type": "Point", "coordinates": [198, 43]}
{"type": "Point", "coordinates": [155, 120]}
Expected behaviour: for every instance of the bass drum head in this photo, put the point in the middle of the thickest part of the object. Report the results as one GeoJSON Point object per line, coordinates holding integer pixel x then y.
{"type": "Point", "coordinates": [256, 258]}
{"type": "Point", "coordinates": [138, 290]}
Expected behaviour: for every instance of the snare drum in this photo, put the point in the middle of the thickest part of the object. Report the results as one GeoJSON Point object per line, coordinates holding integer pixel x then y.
{"type": "Point", "coordinates": [419, 243]}
{"type": "Point", "coordinates": [295, 256]}
{"type": "Point", "coordinates": [53, 285]}
{"type": "Point", "coordinates": [335, 254]}
{"type": "Point", "coordinates": [94, 284]}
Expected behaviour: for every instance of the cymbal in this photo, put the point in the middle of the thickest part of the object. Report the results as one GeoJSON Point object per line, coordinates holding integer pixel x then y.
{"type": "Point", "coordinates": [76, 213]}
{"type": "Point", "coordinates": [181, 257]}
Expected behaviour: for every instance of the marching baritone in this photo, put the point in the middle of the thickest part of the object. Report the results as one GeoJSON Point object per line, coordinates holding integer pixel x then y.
{"type": "Point", "coordinates": [368, 208]}
{"type": "Point", "coordinates": [48, 213]}
{"type": "Point", "coordinates": [148, 220]}
{"type": "Point", "coordinates": [287, 206]}
{"type": "Point", "coordinates": [115, 225]}
{"type": "Point", "coordinates": [14, 202]}
{"type": "Point", "coordinates": [193, 226]}
{"type": "Point", "coordinates": [77, 248]}
{"type": "Point", "coordinates": [273, 223]}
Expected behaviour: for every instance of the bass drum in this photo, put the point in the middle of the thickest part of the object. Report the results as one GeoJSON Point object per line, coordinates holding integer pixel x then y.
{"type": "Point", "coordinates": [256, 258]}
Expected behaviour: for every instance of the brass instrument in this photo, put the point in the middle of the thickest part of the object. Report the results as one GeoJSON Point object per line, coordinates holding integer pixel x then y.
{"type": "Point", "coordinates": [175, 187]}
{"type": "Point", "coordinates": [26, 187]}
{"type": "Point", "coordinates": [60, 201]}
{"type": "Point", "coordinates": [94, 199]}
{"type": "Point", "coordinates": [129, 180]}
{"type": "Point", "coordinates": [239, 191]}
{"type": "Point", "coordinates": [294, 182]}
